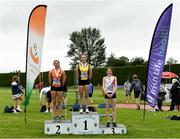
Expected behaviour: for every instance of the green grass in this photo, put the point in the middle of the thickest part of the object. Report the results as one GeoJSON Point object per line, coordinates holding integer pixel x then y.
{"type": "Point", "coordinates": [154, 126]}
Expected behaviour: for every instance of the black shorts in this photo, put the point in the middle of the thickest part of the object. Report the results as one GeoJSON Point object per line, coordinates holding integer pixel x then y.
{"type": "Point", "coordinates": [114, 96]}
{"type": "Point", "coordinates": [56, 88]}
{"type": "Point", "coordinates": [90, 94]}
{"type": "Point", "coordinates": [136, 94]}
{"type": "Point", "coordinates": [83, 82]}
{"type": "Point", "coordinates": [48, 97]}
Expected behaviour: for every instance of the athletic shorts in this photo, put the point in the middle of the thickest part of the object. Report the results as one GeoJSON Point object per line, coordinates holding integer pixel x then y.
{"type": "Point", "coordinates": [56, 88]}
{"type": "Point", "coordinates": [83, 82]}
{"type": "Point", "coordinates": [114, 96]}
{"type": "Point", "coordinates": [90, 94]}
{"type": "Point", "coordinates": [15, 97]}
{"type": "Point", "coordinates": [48, 97]}
{"type": "Point", "coordinates": [136, 94]}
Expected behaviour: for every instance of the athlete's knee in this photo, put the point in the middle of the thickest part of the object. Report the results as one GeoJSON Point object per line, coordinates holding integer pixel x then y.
{"type": "Point", "coordinates": [87, 96]}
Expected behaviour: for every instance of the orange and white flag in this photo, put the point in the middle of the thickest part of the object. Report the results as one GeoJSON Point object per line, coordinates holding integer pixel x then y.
{"type": "Point", "coordinates": [35, 37]}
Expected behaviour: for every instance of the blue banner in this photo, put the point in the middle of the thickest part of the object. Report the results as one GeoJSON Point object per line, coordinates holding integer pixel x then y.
{"type": "Point", "coordinates": [157, 55]}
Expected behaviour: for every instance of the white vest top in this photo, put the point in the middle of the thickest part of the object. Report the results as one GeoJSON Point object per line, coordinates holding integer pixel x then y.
{"type": "Point", "coordinates": [109, 84]}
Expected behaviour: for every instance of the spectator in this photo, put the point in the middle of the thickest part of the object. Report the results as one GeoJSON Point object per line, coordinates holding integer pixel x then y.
{"type": "Point", "coordinates": [136, 85]}
{"type": "Point", "coordinates": [46, 91]}
{"type": "Point", "coordinates": [161, 96]}
{"type": "Point", "coordinates": [127, 86]}
{"type": "Point", "coordinates": [40, 86]}
{"type": "Point", "coordinates": [175, 91]}
{"type": "Point", "coordinates": [16, 94]}
{"type": "Point", "coordinates": [91, 88]}
{"type": "Point", "coordinates": [65, 89]}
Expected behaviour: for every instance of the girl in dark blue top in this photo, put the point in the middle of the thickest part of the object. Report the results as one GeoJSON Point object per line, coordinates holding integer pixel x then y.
{"type": "Point", "coordinates": [16, 93]}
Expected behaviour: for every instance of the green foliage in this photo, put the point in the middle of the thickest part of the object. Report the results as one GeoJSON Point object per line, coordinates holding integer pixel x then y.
{"type": "Point", "coordinates": [112, 61]}
{"type": "Point", "coordinates": [122, 74]}
{"type": "Point", "coordinates": [137, 61]}
{"type": "Point", "coordinates": [171, 61]}
{"type": "Point", "coordinates": [89, 41]}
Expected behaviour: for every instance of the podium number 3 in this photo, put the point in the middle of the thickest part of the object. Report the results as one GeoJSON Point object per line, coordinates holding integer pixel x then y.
{"type": "Point", "coordinates": [85, 125]}
{"type": "Point", "coordinates": [113, 130]}
{"type": "Point", "coordinates": [58, 129]}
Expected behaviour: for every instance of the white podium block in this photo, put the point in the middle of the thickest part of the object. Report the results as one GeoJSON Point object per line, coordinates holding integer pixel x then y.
{"type": "Point", "coordinates": [85, 123]}
{"type": "Point", "coordinates": [120, 129]}
{"type": "Point", "coordinates": [63, 127]}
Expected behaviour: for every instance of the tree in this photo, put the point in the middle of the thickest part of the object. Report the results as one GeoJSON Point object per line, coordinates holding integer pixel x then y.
{"type": "Point", "coordinates": [123, 61]}
{"type": "Point", "coordinates": [137, 61]}
{"type": "Point", "coordinates": [171, 61]}
{"type": "Point", "coordinates": [89, 41]}
{"type": "Point", "coordinates": [112, 61]}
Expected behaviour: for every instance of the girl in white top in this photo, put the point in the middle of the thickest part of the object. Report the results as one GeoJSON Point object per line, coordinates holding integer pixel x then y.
{"type": "Point", "coordinates": [109, 87]}
{"type": "Point", "coordinates": [127, 86]}
{"type": "Point", "coordinates": [46, 91]}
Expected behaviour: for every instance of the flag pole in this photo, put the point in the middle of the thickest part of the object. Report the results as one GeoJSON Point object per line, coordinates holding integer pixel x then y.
{"type": "Point", "coordinates": [25, 116]}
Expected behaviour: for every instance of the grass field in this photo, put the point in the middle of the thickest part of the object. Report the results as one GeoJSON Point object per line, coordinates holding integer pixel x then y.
{"type": "Point", "coordinates": [154, 126]}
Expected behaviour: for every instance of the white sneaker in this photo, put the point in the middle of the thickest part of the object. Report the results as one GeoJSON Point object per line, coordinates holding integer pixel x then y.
{"type": "Point", "coordinates": [152, 110]}
{"type": "Point", "coordinates": [14, 111]}
{"type": "Point", "coordinates": [81, 111]}
{"type": "Point", "coordinates": [46, 111]}
{"type": "Point", "coordinates": [87, 110]}
{"type": "Point", "coordinates": [51, 110]}
{"type": "Point", "coordinates": [18, 108]}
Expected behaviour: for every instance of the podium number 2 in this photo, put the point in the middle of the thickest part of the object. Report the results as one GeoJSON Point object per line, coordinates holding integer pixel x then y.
{"type": "Point", "coordinates": [85, 125]}
{"type": "Point", "coordinates": [58, 129]}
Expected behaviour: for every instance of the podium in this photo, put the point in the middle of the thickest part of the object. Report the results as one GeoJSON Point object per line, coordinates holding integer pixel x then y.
{"type": "Point", "coordinates": [63, 127]}
{"type": "Point", "coordinates": [120, 129]}
{"type": "Point", "coordinates": [82, 124]}
{"type": "Point", "coordinates": [85, 123]}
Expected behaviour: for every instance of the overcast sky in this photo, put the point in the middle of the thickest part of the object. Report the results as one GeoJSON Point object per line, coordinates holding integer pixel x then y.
{"type": "Point", "coordinates": [126, 25]}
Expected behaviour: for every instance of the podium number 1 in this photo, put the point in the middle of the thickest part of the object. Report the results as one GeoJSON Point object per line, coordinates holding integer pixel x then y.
{"type": "Point", "coordinates": [85, 125]}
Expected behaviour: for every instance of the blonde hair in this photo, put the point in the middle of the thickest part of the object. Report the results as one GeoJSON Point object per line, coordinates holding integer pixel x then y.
{"type": "Point", "coordinates": [15, 78]}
